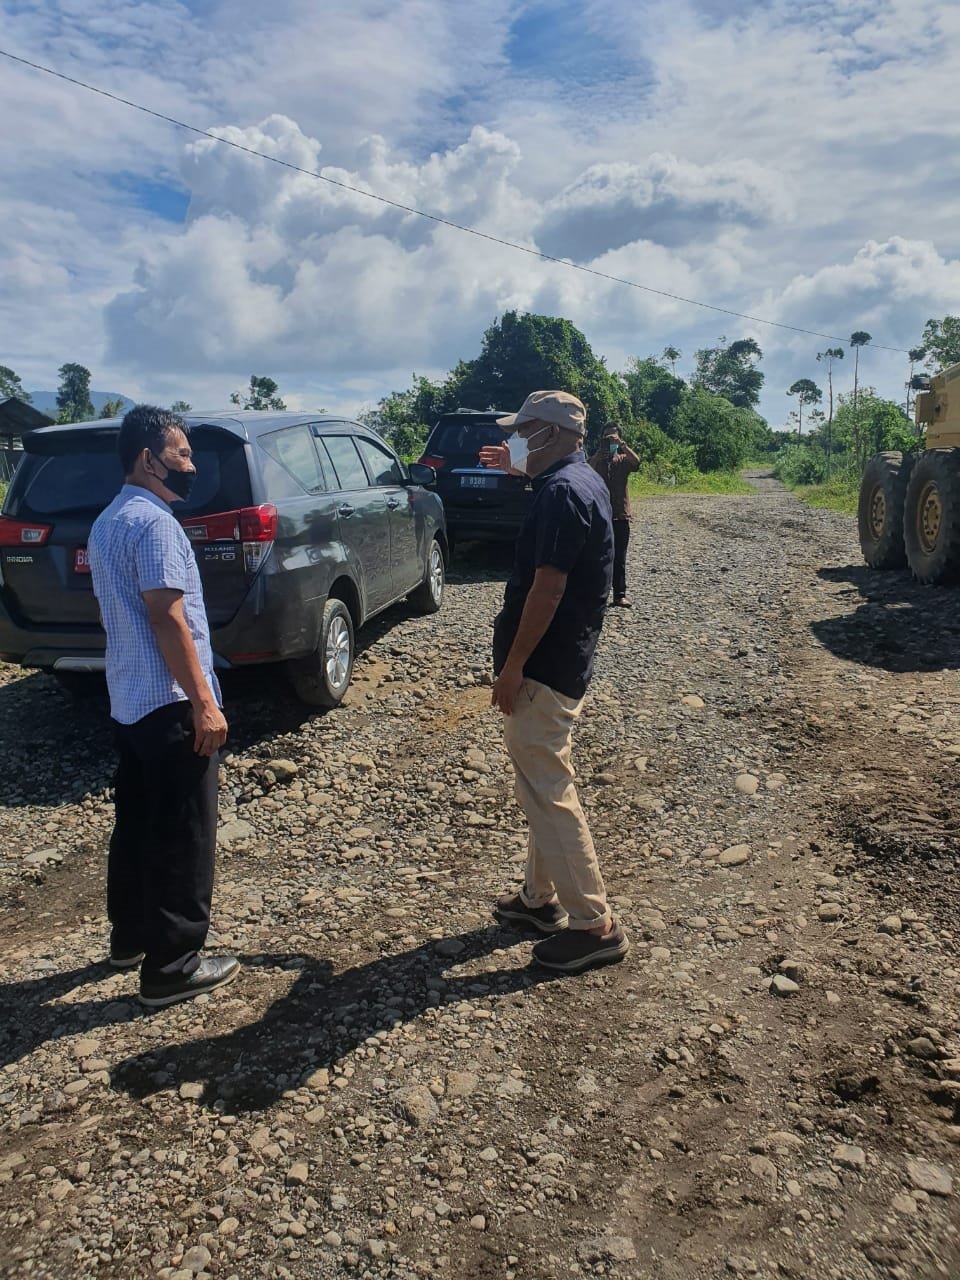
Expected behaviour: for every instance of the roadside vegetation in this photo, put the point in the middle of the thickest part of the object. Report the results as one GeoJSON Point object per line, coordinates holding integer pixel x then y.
{"type": "Point", "coordinates": [720, 482]}
{"type": "Point", "coordinates": [682, 429]}
{"type": "Point", "coordinates": [823, 465]}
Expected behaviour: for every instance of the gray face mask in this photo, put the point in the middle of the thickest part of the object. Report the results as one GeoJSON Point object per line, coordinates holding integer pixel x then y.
{"type": "Point", "coordinates": [519, 447]}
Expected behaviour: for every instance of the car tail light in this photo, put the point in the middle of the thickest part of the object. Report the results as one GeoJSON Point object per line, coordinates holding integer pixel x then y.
{"type": "Point", "coordinates": [432, 460]}
{"type": "Point", "coordinates": [255, 527]}
{"type": "Point", "coordinates": [14, 533]}
{"type": "Point", "coordinates": [258, 532]}
{"type": "Point", "coordinates": [258, 524]}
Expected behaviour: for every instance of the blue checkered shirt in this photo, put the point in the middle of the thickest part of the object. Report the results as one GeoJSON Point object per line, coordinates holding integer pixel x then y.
{"type": "Point", "coordinates": [136, 545]}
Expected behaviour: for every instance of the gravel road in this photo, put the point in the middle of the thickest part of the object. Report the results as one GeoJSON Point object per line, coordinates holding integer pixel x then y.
{"type": "Point", "coordinates": [768, 1086]}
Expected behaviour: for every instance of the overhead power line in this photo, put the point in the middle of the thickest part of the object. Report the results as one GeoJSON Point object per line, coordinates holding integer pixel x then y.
{"type": "Point", "coordinates": [432, 217]}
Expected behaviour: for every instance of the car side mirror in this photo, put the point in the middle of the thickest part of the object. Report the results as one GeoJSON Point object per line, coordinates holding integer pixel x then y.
{"type": "Point", "coordinates": [422, 474]}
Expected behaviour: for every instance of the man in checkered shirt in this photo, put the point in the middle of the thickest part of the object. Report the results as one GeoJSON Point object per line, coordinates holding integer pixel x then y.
{"type": "Point", "coordinates": [168, 724]}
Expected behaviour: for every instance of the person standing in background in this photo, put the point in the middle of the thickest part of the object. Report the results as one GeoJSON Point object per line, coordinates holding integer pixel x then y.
{"type": "Point", "coordinates": [615, 462]}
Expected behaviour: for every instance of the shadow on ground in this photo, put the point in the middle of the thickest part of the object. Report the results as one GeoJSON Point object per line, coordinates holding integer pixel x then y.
{"type": "Point", "coordinates": [900, 626]}
{"type": "Point", "coordinates": [320, 1020]}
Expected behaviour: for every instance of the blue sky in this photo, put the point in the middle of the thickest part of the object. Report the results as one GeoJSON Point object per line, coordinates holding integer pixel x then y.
{"type": "Point", "coordinates": [786, 161]}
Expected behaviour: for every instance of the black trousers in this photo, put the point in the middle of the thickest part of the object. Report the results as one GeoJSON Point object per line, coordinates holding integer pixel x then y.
{"type": "Point", "coordinates": [160, 869]}
{"type": "Point", "coordinates": [621, 540]}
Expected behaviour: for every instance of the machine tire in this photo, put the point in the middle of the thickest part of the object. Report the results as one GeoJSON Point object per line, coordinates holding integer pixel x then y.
{"type": "Point", "coordinates": [932, 517]}
{"type": "Point", "coordinates": [428, 597]}
{"type": "Point", "coordinates": [327, 678]}
{"type": "Point", "coordinates": [880, 510]}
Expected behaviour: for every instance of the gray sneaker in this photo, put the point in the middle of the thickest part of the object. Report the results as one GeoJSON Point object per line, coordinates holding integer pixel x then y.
{"type": "Point", "coordinates": [212, 972]}
{"type": "Point", "coordinates": [512, 908]}
{"type": "Point", "coordinates": [574, 950]}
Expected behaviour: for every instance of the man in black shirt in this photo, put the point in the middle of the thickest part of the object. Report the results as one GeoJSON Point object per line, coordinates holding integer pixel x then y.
{"type": "Point", "coordinates": [543, 646]}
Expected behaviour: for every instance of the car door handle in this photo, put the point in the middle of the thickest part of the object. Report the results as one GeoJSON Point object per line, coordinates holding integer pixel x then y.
{"type": "Point", "coordinates": [393, 503]}
{"type": "Point", "coordinates": [345, 510]}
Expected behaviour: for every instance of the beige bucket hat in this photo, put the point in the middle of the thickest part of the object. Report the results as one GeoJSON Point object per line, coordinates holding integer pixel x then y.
{"type": "Point", "coordinates": [557, 407]}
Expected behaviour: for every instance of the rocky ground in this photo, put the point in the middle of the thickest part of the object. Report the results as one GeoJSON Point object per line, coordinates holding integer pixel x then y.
{"type": "Point", "coordinates": [768, 1086]}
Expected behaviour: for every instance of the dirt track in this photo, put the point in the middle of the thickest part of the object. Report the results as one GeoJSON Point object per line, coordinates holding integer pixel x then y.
{"type": "Point", "coordinates": [389, 1091]}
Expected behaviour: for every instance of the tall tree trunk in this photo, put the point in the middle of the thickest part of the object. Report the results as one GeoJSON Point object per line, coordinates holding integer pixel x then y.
{"type": "Point", "coordinates": [856, 371]}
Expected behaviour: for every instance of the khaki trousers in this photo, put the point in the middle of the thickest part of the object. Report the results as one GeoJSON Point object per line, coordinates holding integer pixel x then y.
{"type": "Point", "coordinates": [561, 858]}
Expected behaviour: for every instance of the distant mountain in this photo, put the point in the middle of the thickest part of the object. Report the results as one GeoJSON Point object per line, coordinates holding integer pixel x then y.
{"type": "Point", "coordinates": [46, 401]}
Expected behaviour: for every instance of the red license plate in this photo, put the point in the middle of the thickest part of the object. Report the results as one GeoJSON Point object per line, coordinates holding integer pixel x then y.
{"type": "Point", "coordinates": [81, 560]}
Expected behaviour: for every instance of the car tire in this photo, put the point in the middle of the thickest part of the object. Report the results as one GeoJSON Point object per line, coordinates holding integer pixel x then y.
{"type": "Point", "coordinates": [327, 678]}
{"type": "Point", "coordinates": [428, 597]}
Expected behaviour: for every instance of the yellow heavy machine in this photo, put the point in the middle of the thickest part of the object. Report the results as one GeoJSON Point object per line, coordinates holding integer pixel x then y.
{"type": "Point", "coordinates": [909, 509]}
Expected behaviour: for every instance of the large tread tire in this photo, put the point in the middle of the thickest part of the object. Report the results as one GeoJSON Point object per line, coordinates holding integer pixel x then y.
{"type": "Point", "coordinates": [880, 518]}
{"type": "Point", "coordinates": [428, 597]}
{"type": "Point", "coordinates": [932, 518]}
{"type": "Point", "coordinates": [324, 680]}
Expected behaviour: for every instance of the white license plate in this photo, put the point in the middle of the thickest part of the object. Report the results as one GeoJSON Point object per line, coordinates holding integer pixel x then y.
{"type": "Point", "coordinates": [478, 482]}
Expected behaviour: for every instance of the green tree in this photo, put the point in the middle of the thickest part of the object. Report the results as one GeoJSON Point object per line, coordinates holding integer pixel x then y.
{"type": "Point", "coordinates": [524, 353]}
{"type": "Point", "coordinates": [181, 406]}
{"type": "Point", "coordinates": [941, 342]}
{"type": "Point", "coordinates": [111, 409]}
{"type": "Point", "coordinates": [10, 385]}
{"type": "Point", "coordinates": [730, 370]}
{"type": "Point", "coordinates": [655, 395]}
{"type": "Point", "coordinates": [720, 432]}
{"type": "Point", "coordinates": [831, 354]}
{"type": "Point", "coordinates": [871, 426]}
{"type": "Point", "coordinates": [857, 340]}
{"type": "Point", "coordinates": [671, 355]}
{"type": "Point", "coordinates": [404, 418]}
{"type": "Point", "coordinates": [73, 394]}
{"type": "Point", "coordinates": [807, 392]}
{"type": "Point", "coordinates": [262, 394]}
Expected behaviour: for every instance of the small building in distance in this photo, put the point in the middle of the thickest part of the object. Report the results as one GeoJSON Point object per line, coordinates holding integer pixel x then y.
{"type": "Point", "coordinates": [16, 419]}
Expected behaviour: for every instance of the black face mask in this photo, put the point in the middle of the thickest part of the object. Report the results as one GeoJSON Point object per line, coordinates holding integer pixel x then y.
{"type": "Point", "coordinates": [179, 482]}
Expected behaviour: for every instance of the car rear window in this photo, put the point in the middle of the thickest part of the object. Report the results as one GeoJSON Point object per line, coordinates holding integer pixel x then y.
{"type": "Point", "coordinates": [464, 437]}
{"type": "Point", "coordinates": [293, 448]}
{"type": "Point", "coordinates": [85, 479]}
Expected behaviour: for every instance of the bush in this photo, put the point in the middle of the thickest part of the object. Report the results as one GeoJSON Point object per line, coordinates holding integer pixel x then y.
{"type": "Point", "coordinates": [801, 463]}
{"type": "Point", "coordinates": [719, 433]}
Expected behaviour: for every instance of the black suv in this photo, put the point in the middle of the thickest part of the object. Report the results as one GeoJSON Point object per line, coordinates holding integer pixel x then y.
{"type": "Point", "coordinates": [303, 526]}
{"type": "Point", "coordinates": [479, 502]}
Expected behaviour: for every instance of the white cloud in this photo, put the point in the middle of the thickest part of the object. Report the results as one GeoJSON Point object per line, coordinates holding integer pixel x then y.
{"type": "Point", "coordinates": [665, 199]}
{"type": "Point", "coordinates": [279, 268]}
{"type": "Point", "coordinates": [779, 160]}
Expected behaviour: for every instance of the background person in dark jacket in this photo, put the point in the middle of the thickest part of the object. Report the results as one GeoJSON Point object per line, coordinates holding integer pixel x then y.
{"type": "Point", "coordinates": [615, 462]}
{"type": "Point", "coordinates": [543, 645]}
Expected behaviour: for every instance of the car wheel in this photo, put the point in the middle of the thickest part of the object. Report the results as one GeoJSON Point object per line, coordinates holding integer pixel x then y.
{"type": "Point", "coordinates": [428, 597]}
{"type": "Point", "coordinates": [325, 681]}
